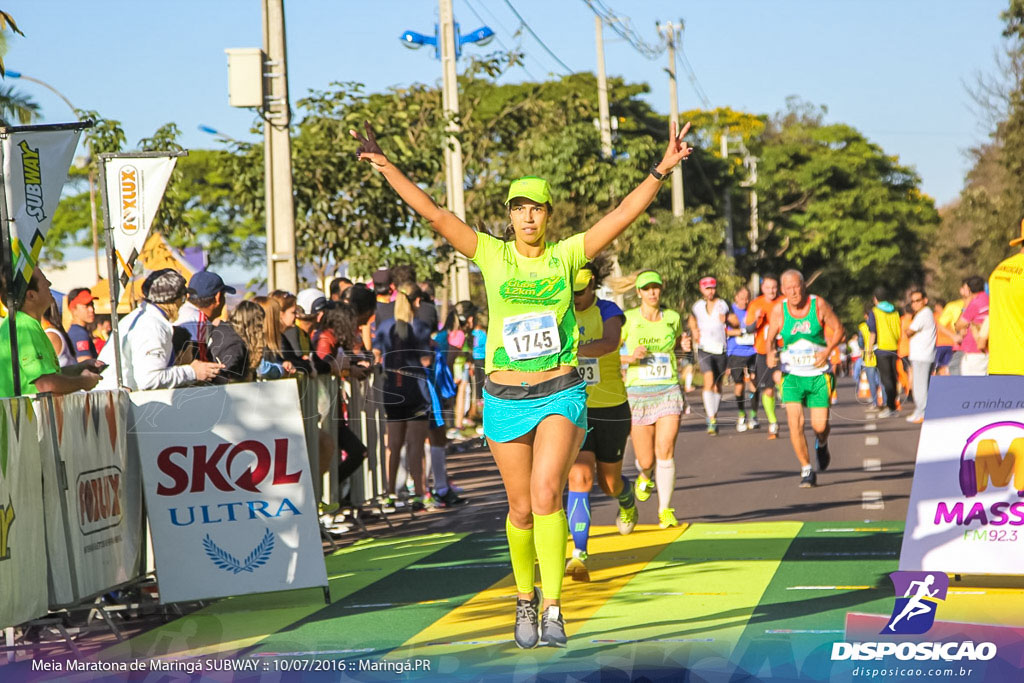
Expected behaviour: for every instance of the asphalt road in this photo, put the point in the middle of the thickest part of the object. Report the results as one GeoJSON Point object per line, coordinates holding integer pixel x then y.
{"type": "Point", "coordinates": [733, 477]}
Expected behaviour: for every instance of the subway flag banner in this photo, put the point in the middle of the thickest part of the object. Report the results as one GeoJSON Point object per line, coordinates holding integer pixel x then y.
{"type": "Point", "coordinates": [36, 166]}
{"type": "Point", "coordinates": [966, 512]}
{"type": "Point", "coordinates": [228, 490]}
{"type": "Point", "coordinates": [134, 186]}
{"type": "Point", "coordinates": [22, 551]}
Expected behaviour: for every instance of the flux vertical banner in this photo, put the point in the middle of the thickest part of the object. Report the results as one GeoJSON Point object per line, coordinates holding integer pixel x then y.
{"type": "Point", "coordinates": [134, 185]}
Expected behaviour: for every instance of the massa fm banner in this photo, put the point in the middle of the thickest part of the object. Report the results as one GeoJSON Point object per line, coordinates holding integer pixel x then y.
{"type": "Point", "coordinates": [966, 512]}
{"type": "Point", "coordinates": [228, 490]}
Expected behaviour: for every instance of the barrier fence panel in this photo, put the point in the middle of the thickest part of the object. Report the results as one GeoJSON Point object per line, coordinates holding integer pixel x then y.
{"type": "Point", "coordinates": [93, 495]}
{"type": "Point", "coordinates": [228, 489]}
{"type": "Point", "coordinates": [328, 406]}
{"type": "Point", "coordinates": [23, 591]}
{"type": "Point", "coordinates": [366, 420]}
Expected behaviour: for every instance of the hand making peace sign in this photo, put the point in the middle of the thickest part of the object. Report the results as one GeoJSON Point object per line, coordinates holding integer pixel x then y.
{"type": "Point", "coordinates": [369, 150]}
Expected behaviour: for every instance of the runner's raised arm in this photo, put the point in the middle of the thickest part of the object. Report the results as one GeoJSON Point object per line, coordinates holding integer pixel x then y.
{"type": "Point", "coordinates": [602, 233]}
{"type": "Point", "coordinates": [443, 221]}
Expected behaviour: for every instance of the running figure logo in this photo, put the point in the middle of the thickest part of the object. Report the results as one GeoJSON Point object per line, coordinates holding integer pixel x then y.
{"type": "Point", "coordinates": [914, 612]}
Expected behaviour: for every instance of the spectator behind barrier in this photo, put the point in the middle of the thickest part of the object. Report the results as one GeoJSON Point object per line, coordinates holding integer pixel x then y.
{"type": "Point", "coordinates": [37, 362]}
{"type": "Point", "coordinates": [272, 332]}
{"type": "Point", "coordinates": [363, 304]}
{"type": "Point", "coordinates": [333, 340]}
{"type": "Point", "coordinates": [247, 324]}
{"type": "Point", "coordinates": [310, 304]}
{"type": "Point", "coordinates": [205, 305]}
{"type": "Point", "coordinates": [1006, 318]}
{"type": "Point", "coordinates": [147, 340]}
{"type": "Point", "coordinates": [101, 333]}
{"type": "Point", "coordinates": [338, 285]}
{"type": "Point", "coordinates": [83, 314]}
{"type": "Point", "coordinates": [291, 345]}
{"type": "Point", "coordinates": [60, 340]}
{"type": "Point", "coordinates": [975, 360]}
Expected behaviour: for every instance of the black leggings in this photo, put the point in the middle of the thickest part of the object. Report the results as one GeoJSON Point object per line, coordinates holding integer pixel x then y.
{"type": "Point", "coordinates": [887, 373]}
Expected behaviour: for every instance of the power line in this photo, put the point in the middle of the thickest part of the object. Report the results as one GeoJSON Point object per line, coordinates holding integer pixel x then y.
{"type": "Point", "coordinates": [536, 37]}
{"type": "Point", "coordinates": [692, 76]}
{"type": "Point", "coordinates": [500, 41]}
{"type": "Point", "coordinates": [622, 26]}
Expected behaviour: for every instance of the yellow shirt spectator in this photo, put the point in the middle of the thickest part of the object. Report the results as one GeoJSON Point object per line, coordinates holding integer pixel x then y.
{"type": "Point", "coordinates": [1006, 311]}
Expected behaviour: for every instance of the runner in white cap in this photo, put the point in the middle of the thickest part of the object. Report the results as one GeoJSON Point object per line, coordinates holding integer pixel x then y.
{"type": "Point", "coordinates": [707, 325]}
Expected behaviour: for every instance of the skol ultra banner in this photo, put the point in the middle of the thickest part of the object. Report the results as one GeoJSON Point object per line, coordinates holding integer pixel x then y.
{"type": "Point", "coordinates": [134, 186]}
{"type": "Point", "coordinates": [228, 490]}
{"type": "Point", "coordinates": [22, 552]}
{"type": "Point", "coordinates": [36, 166]}
{"type": "Point", "coordinates": [966, 512]}
{"type": "Point", "coordinates": [94, 536]}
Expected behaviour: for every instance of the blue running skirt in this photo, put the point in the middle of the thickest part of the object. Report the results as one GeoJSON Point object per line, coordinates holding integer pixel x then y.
{"type": "Point", "coordinates": [511, 411]}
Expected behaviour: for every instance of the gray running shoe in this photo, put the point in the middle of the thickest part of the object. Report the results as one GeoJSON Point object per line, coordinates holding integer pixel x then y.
{"type": "Point", "coordinates": [527, 630]}
{"type": "Point", "coordinates": [552, 627]}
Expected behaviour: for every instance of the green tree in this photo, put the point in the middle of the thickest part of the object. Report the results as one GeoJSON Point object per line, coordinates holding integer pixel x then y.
{"type": "Point", "coordinates": [837, 207]}
{"type": "Point", "coordinates": [987, 214]}
{"type": "Point", "coordinates": [682, 250]}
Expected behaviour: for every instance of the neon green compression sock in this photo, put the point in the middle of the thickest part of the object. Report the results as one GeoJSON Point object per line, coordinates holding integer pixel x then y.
{"type": "Point", "coordinates": [769, 406]}
{"type": "Point", "coordinates": [550, 535]}
{"type": "Point", "coordinates": [520, 548]}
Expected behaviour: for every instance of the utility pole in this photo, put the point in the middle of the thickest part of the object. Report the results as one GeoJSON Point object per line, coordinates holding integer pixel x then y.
{"type": "Point", "coordinates": [280, 204]}
{"type": "Point", "coordinates": [602, 91]}
{"type": "Point", "coordinates": [730, 250]}
{"type": "Point", "coordinates": [671, 31]}
{"type": "Point", "coordinates": [453, 150]}
{"type": "Point", "coordinates": [750, 162]}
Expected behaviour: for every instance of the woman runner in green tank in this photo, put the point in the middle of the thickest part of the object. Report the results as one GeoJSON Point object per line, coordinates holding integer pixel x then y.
{"type": "Point", "coordinates": [608, 416]}
{"type": "Point", "coordinates": [652, 334]}
{"type": "Point", "coordinates": [534, 398]}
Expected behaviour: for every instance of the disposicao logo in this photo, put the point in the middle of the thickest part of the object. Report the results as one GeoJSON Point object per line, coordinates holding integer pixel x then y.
{"type": "Point", "coordinates": [917, 596]}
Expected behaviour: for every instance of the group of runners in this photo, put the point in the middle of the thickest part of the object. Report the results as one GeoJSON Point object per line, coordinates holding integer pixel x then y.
{"type": "Point", "coordinates": [557, 409]}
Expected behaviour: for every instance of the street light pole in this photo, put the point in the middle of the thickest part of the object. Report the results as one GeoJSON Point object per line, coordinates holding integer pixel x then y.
{"type": "Point", "coordinates": [449, 42]}
{"type": "Point", "coordinates": [456, 175]}
{"type": "Point", "coordinates": [92, 171]}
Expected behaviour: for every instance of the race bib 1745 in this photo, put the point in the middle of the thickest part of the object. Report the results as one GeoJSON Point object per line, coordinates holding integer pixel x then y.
{"type": "Point", "coordinates": [530, 335]}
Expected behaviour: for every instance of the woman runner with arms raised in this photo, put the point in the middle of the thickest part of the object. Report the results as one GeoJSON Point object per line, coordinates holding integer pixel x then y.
{"type": "Point", "coordinates": [535, 411]}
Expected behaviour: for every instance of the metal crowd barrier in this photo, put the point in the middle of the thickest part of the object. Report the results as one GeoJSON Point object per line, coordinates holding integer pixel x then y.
{"type": "Point", "coordinates": [72, 525]}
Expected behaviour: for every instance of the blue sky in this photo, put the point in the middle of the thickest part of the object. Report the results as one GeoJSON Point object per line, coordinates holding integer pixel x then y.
{"type": "Point", "coordinates": [895, 70]}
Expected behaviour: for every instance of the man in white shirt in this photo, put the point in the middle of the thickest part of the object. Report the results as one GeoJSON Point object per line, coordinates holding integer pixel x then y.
{"type": "Point", "coordinates": [922, 333]}
{"type": "Point", "coordinates": [707, 325]}
{"type": "Point", "coordinates": [145, 339]}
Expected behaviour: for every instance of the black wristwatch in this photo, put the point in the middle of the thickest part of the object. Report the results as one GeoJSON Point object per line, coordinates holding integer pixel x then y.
{"type": "Point", "coordinates": [657, 174]}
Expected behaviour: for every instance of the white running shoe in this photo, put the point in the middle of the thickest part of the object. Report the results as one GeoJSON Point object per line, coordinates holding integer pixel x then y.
{"type": "Point", "coordinates": [741, 424]}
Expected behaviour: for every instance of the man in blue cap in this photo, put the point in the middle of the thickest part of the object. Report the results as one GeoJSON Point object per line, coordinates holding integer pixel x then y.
{"type": "Point", "coordinates": [205, 303]}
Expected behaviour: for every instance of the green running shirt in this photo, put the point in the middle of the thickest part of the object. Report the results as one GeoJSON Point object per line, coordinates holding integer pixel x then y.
{"type": "Point", "coordinates": [531, 320]}
{"type": "Point", "coordinates": [659, 338]}
{"type": "Point", "coordinates": [802, 338]}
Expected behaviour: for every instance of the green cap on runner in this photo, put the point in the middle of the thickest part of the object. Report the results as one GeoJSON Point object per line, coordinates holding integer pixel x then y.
{"type": "Point", "coordinates": [530, 187]}
{"type": "Point", "coordinates": [648, 277]}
